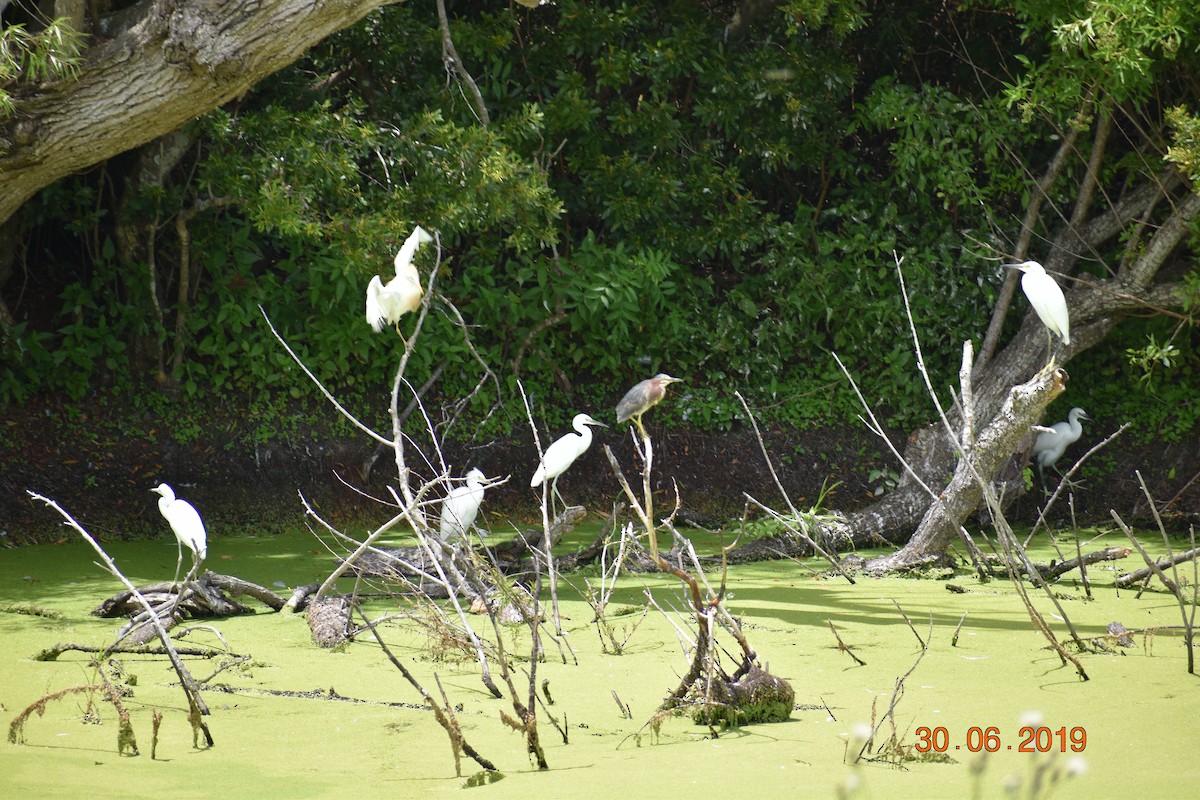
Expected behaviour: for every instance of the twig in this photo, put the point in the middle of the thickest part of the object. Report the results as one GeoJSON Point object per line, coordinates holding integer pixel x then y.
{"type": "Point", "coordinates": [191, 690]}
{"type": "Point", "coordinates": [957, 628]}
{"type": "Point", "coordinates": [842, 646]}
{"type": "Point", "coordinates": [909, 623]}
{"type": "Point", "coordinates": [786, 498]}
{"type": "Point", "coordinates": [1066, 480]}
{"type": "Point", "coordinates": [445, 718]}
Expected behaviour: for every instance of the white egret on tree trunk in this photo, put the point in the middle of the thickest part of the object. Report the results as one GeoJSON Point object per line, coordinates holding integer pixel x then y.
{"type": "Point", "coordinates": [1047, 300]}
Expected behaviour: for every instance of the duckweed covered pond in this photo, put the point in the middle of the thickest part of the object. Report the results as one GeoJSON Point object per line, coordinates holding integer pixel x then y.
{"type": "Point", "coordinates": [295, 721]}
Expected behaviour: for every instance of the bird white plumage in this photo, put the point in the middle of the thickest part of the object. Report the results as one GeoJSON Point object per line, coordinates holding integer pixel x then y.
{"type": "Point", "coordinates": [1046, 298]}
{"type": "Point", "coordinates": [461, 506]}
{"type": "Point", "coordinates": [186, 524]}
{"type": "Point", "coordinates": [1049, 447]}
{"type": "Point", "coordinates": [564, 452]}
{"type": "Point", "coordinates": [387, 303]}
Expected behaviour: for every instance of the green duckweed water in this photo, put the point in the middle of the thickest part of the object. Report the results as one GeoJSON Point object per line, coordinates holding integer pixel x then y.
{"type": "Point", "coordinates": [1138, 710]}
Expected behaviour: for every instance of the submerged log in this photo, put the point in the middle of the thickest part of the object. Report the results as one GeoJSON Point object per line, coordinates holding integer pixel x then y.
{"type": "Point", "coordinates": [414, 565]}
{"type": "Point", "coordinates": [201, 598]}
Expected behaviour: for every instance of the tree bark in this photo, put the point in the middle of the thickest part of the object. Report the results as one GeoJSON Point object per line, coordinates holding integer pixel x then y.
{"type": "Point", "coordinates": [1095, 309]}
{"type": "Point", "coordinates": [176, 60]}
{"type": "Point", "coordinates": [1161, 204]}
{"type": "Point", "coordinates": [940, 526]}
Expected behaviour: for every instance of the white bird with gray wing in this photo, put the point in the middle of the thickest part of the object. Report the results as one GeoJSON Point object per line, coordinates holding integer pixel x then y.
{"type": "Point", "coordinates": [1049, 447]}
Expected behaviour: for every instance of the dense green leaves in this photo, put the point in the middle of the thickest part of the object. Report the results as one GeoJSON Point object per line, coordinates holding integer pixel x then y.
{"type": "Point", "coordinates": [653, 192]}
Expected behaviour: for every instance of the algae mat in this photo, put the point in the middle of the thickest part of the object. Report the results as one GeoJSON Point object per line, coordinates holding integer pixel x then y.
{"type": "Point", "coordinates": [1137, 712]}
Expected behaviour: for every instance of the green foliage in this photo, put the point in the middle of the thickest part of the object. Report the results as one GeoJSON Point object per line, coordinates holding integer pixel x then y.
{"type": "Point", "coordinates": [1184, 150]}
{"type": "Point", "coordinates": [650, 194]}
{"type": "Point", "coordinates": [1150, 356]}
{"type": "Point", "coordinates": [51, 54]}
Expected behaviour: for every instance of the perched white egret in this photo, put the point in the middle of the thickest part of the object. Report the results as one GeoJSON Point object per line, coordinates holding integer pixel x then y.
{"type": "Point", "coordinates": [563, 453]}
{"type": "Point", "coordinates": [186, 523]}
{"type": "Point", "coordinates": [642, 397]}
{"type": "Point", "coordinates": [460, 508]}
{"type": "Point", "coordinates": [387, 303]}
{"type": "Point", "coordinates": [1049, 447]}
{"type": "Point", "coordinates": [1047, 300]}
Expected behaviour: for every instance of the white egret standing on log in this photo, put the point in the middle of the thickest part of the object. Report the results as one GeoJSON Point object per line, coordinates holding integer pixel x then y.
{"type": "Point", "coordinates": [642, 397]}
{"type": "Point", "coordinates": [1048, 301]}
{"type": "Point", "coordinates": [461, 506]}
{"type": "Point", "coordinates": [1049, 447]}
{"type": "Point", "coordinates": [563, 453]}
{"type": "Point", "coordinates": [185, 522]}
{"type": "Point", "coordinates": [387, 303]}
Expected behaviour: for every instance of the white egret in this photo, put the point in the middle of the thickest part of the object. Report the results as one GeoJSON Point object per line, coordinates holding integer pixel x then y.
{"type": "Point", "coordinates": [1047, 300]}
{"type": "Point", "coordinates": [461, 506]}
{"type": "Point", "coordinates": [563, 453]}
{"type": "Point", "coordinates": [387, 303]}
{"type": "Point", "coordinates": [1049, 446]}
{"type": "Point", "coordinates": [186, 524]}
{"type": "Point", "coordinates": [642, 397]}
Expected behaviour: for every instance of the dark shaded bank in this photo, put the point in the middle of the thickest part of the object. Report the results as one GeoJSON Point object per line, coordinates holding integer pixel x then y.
{"type": "Point", "coordinates": [100, 463]}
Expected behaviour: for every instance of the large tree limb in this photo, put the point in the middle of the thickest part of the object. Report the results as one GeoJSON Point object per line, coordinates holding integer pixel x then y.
{"type": "Point", "coordinates": [179, 59]}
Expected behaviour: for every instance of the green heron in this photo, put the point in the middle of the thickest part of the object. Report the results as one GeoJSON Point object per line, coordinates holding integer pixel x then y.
{"type": "Point", "coordinates": [1049, 447]}
{"type": "Point", "coordinates": [186, 524]}
{"type": "Point", "coordinates": [1047, 300]}
{"type": "Point", "coordinates": [562, 454]}
{"type": "Point", "coordinates": [387, 303]}
{"type": "Point", "coordinates": [642, 398]}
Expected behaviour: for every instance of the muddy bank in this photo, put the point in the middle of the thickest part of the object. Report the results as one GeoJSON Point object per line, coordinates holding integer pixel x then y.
{"type": "Point", "coordinates": [100, 465]}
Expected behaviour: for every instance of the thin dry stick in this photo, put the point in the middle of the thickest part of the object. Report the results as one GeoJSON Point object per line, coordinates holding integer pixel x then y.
{"type": "Point", "coordinates": [1087, 585]}
{"type": "Point", "coordinates": [786, 498]}
{"type": "Point", "coordinates": [1178, 590]}
{"type": "Point", "coordinates": [1009, 548]}
{"type": "Point", "coordinates": [546, 500]}
{"type": "Point", "coordinates": [1066, 480]}
{"type": "Point", "coordinates": [458, 742]}
{"type": "Point", "coordinates": [451, 57]}
{"type": "Point", "coordinates": [320, 386]}
{"type": "Point", "coordinates": [908, 622]}
{"type": "Point", "coordinates": [897, 692]}
{"type": "Point", "coordinates": [190, 689]}
{"type": "Point", "coordinates": [842, 646]}
{"type": "Point", "coordinates": [625, 712]}
{"type": "Point", "coordinates": [957, 628]}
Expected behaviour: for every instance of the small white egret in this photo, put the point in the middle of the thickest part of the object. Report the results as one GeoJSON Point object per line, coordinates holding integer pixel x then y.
{"type": "Point", "coordinates": [387, 303]}
{"type": "Point", "coordinates": [563, 453]}
{"type": "Point", "coordinates": [1049, 447]}
{"type": "Point", "coordinates": [460, 508]}
{"type": "Point", "coordinates": [186, 524]}
{"type": "Point", "coordinates": [642, 397]}
{"type": "Point", "coordinates": [1047, 300]}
